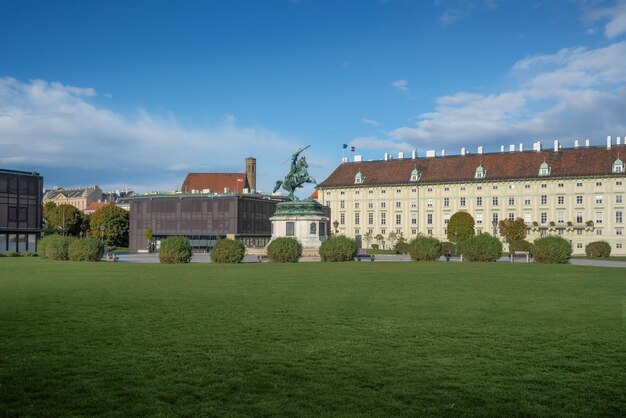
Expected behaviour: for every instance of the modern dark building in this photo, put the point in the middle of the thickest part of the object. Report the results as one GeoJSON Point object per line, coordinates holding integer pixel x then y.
{"type": "Point", "coordinates": [203, 218]}
{"type": "Point", "coordinates": [21, 210]}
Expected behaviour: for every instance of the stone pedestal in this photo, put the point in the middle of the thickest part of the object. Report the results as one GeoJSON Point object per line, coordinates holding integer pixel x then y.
{"type": "Point", "coordinates": [301, 219]}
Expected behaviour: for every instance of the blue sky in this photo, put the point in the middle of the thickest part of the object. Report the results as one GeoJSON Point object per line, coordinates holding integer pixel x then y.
{"type": "Point", "coordinates": [136, 94]}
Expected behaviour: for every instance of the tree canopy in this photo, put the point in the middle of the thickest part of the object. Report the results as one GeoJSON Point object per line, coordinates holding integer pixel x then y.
{"type": "Point", "coordinates": [64, 218]}
{"type": "Point", "coordinates": [111, 223]}
{"type": "Point", "coordinates": [512, 229]}
{"type": "Point", "coordinates": [460, 227]}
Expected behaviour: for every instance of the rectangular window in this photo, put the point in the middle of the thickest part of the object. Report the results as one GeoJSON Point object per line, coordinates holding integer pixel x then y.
{"type": "Point", "coordinates": [342, 204]}
{"type": "Point", "coordinates": [512, 216]}
{"type": "Point", "coordinates": [370, 205]}
{"type": "Point", "coordinates": [398, 219]}
{"type": "Point", "coordinates": [429, 219]}
{"type": "Point", "coordinates": [511, 201]}
{"type": "Point", "coordinates": [342, 218]}
{"type": "Point", "coordinates": [544, 199]}
{"type": "Point", "coordinates": [598, 183]}
{"type": "Point", "coordinates": [495, 217]}
{"type": "Point", "coordinates": [383, 204]}
{"type": "Point", "coordinates": [446, 202]}
{"type": "Point", "coordinates": [544, 217]}
{"type": "Point", "coordinates": [579, 245]}
{"type": "Point", "coordinates": [398, 204]}
{"type": "Point", "coordinates": [414, 219]}
{"type": "Point", "coordinates": [526, 186]}
{"type": "Point", "coordinates": [618, 245]}
{"type": "Point", "coordinates": [413, 203]}
{"type": "Point", "coordinates": [579, 200]}
{"type": "Point", "coordinates": [544, 185]}
{"type": "Point", "coordinates": [579, 184]}
{"type": "Point", "coordinates": [599, 217]}
{"type": "Point", "coordinates": [494, 201]}
{"type": "Point", "coordinates": [290, 229]}
{"type": "Point", "coordinates": [618, 199]}
{"type": "Point", "coordinates": [479, 218]}
{"type": "Point", "coordinates": [618, 231]}
{"type": "Point", "coordinates": [527, 217]}
{"type": "Point", "coordinates": [383, 218]}
{"type": "Point", "coordinates": [398, 190]}
{"type": "Point", "coordinates": [414, 231]}
{"type": "Point", "coordinates": [561, 185]}
{"type": "Point", "coordinates": [618, 217]}
{"type": "Point", "coordinates": [446, 218]}
{"type": "Point", "coordinates": [479, 201]}
{"type": "Point", "coordinates": [357, 205]}
{"type": "Point", "coordinates": [429, 202]}
{"type": "Point", "coordinates": [560, 200]}
{"type": "Point", "coordinates": [599, 199]}
{"type": "Point", "coordinates": [526, 200]}
{"type": "Point", "coordinates": [598, 231]}
{"type": "Point", "coordinates": [370, 218]}
{"type": "Point", "coordinates": [579, 217]}
{"type": "Point", "coordinates": [462, 201]}
{"type": "Point", "coordinates": [357, 218]}
{"type": "Point", "coordinates": [560, 217]}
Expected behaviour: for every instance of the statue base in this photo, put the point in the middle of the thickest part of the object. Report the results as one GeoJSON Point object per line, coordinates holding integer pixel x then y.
{"type": "Point", "coordinates": [303, 220]}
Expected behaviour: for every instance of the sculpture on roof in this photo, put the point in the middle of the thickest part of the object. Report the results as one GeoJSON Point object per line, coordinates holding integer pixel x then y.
{"type": "Point", "coordinates": [298, 175]}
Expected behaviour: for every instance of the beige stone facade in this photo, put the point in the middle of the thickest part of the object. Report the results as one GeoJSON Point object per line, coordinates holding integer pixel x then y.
{"type": "Point", "coordinates": [582, 209]}
{"type": "Point", "coordinates": [80, 198]}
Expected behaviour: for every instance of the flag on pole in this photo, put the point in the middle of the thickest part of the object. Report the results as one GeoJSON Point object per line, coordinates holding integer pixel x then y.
{"type": "Point", "coordinates": [345, 146]}
{"type": "Point", "coordinates": [352, 149]}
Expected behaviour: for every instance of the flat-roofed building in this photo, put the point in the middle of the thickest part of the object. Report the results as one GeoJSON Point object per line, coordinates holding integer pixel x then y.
{"type": "Point", "coordinates": [21, 210]}
{"type": "Point", "coordinates": [578, 193]}
{"type": "Point", "coordinates": [203, 218]}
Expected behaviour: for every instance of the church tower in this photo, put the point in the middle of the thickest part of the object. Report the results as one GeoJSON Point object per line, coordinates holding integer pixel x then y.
{"type": "Point", "coordinates": [251, 174]}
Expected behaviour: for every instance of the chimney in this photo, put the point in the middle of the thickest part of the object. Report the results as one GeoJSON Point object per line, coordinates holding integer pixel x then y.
{"type": "Point", "coordinates": [250, 173]}
{"type": "Point", "coordinates": [501, 148]}
{"type": "Point", "coordinates": [521, 147]}
{"type": "Point", "coordinates": [463, 151]}
{"type": "Point", "coordinates": [443, 152]}
{"type": "Point", "coordinates": [619, 141]}
{"type": "Point", "coordinates": [358, 158]}
{"type": "Point", "coordinates": [556, 145]}
{"type": "Point", "coordinates": [480, 150]}
{"type": "Point", "coordinates": [608, 142]}
{"type": "Point", "coordinates": [576, 144]}
{"type": "Point", "coordinates": [400, 155]}
{"type": "Point", "coordinates": [431, 153]}
{"type": "Point", "coordinates": [414, 154]}
{"type": "Point", "coordinates": [587, 143]}
{"type": "Point", "coordinates": [512, 148]}
{"type": "Point", "coordinates": [537, 146]}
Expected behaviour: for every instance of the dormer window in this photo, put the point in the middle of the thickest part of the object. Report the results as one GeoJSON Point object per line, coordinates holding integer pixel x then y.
{"type": "Point", "coordinates": [481, 173]}
{"type": "Point", "coordinates": [618, 166]}
{"type": "Point", "coordinates": [544, 169]}
{"type": "Point", "coordinates": [415, 175]}
{"type": "Point", "coordinates": [358, 179]}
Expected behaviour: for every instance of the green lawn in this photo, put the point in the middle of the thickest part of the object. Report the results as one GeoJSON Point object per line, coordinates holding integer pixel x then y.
{"type": "Point", "coordinates": [315, 339]}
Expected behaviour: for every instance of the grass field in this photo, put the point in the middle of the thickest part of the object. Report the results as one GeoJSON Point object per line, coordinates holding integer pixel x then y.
{"type": "Point", "coordinates": [316, 339]}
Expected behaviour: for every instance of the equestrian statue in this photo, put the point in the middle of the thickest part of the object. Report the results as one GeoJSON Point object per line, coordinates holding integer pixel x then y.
{"type": "Point", "coordinates": [298, 175]}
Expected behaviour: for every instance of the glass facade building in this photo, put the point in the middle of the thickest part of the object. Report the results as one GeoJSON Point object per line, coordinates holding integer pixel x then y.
{"type": "Point", "coordinates": [21, 211]}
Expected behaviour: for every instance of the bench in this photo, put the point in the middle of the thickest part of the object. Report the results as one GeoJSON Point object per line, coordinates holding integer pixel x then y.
{"type": "Point", "coordinates": [111, 257]}
{"type": "Point", "coordinates": [358, 257]}
{"type": "Point", "coordinates": [525, 254]}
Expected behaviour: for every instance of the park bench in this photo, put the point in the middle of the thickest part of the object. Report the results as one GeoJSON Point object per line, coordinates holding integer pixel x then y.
{"type": "Point", "coordinates": [111, 257]}
{"type": "Point", "coordinates": [371, 257]}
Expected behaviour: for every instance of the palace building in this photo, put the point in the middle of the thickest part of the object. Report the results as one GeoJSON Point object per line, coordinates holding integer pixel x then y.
{"type": "Point", "coordinates": [578, 193]}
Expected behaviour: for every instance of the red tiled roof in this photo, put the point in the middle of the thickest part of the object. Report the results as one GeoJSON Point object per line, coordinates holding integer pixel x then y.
{"type": "Point", "coordinates": [570, 162]}
{"type": "Point", "coordinates": [94, 206]}
{"type": "Point", "coordinates": [216, 182]}
{"type": "Point", "coordinates": [315, 194]}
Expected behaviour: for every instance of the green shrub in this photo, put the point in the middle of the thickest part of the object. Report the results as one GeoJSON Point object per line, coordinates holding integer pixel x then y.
{"type": "Point", "coordinates": [29, 254]}
{"type": "Point", "coordinates": [449, 247]}
{"type": "Point", "coordinates": [55, 247]}
{"type": "Point", "coordinates": [228, 251]}
{"type": "Point", "coordinates": [552, 249]}
{"type": "Point", "coordinates": [11, 254]}
{"type": "Point", "coordinates": [425, 249]}
{"type": "Point", "coordinates": [284, 250]}
{"type": "Point", "coordinates": [598, 249]}
{"type": "Point", "coordinates": [402, 248]}
{"type": "Point", "coordinates": [375, 246]}
{"type": "Point", "coordinates": [520, 245]}
{"type": "Point", "coordinates": [175, 250]}
{"type": "Point", "coordinates": [338, 248]}
{"type": "Point", "coordinates": [86, 249]}
{"type": "Point", "coordinates": [482, 247]}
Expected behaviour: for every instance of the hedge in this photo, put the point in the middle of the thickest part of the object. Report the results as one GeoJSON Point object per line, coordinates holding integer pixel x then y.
{"type": "Point", "coordinates": [175, 250]}
{"type": "Point", "coordinates": [598, 249]}
{"type": "Point", "coordinates": [55, 247]}
{"type": "Point", "coordinates": [86, 249]}
{"type": "Point", "coordinates": [425, 249]}
{"type": "Point", "coordinates": [338, 248]}
{"type": "Point", "coordinates": [520, 245]}
{"type": "Point", "coordinates": [284, 250]}
{"type": "Point", "coordinates": [482, 247]}
{"type": "Point", "coordinates": [552, 249]}
{"type": "Point", "coordinates": [228, 251]}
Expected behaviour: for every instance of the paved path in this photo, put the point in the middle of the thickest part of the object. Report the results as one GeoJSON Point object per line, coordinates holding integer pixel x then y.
{"type": "Point", "coordinates": [204, 258]}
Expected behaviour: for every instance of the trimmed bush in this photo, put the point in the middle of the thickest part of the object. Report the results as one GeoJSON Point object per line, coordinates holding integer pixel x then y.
{"type": "Point", "coordinates": [402, 248]}
{"type": "Point", "coordinates": [55, 247]}
{"type": "Point", "coordinates": [520, 245]}
{"type": "Point", "coordinates": [449, 247]}
{"type": "Point", "coordinates": [552, 249]}
{"type": "Point", "coordinates": [375, 246]}
{"type": "Point", "coordinates": [86, 249]}
{"type": "Point", "coordinates": [175, 250]}
{"type": "Point", "coordinates": [482, 247]}
{"type": "Point", "coordinates": [598, 249]}
{"type": "Point", "coordinates": [284, 250]}
{"type": "Point", "coordinates": [228, 251]}
{"type": "Point", "coordinates": [11, 254]}
{"type": "Point", "coordinates": [338, 248]}
{"type": "Point", "coordinates": [425, 249]}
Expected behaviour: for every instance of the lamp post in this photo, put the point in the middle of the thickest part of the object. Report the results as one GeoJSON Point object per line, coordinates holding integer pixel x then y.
{"type": "Point", "coordinates": [336, 226]}
{"type": "Point", "coordinates": [456, 242]}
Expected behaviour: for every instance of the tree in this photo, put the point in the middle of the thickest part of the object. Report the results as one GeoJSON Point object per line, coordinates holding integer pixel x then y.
{"type": "Point", "coordinates": [65, 218]}
{"type": "Point", "coordinates": [392, 237]}
{"type": "Point", "coordinates": [111, 224]}
{"type": "Point", "coordinates": [512, 229]}
{"type": "Point", "coordinates": [460, 227]}
{"type": "Point", "coordinates": [48, 208]}
{"type": "Point", "coordinates": [379, 238]}
{"type": "Point", "coordinates": [368, 237]}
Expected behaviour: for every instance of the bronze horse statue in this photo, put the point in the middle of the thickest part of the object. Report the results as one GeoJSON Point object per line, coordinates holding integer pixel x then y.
{"type": "Point", "coordinates": [298, 175]}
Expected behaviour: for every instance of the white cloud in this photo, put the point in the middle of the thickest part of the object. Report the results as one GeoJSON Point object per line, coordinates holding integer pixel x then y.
{"type": "Point", "coordinates": [614, 16]}
{"type": "Point", "coordinates": [372, 122]}
{"type": "Point", "coordinates": [372, 143]}
{"type": "Point", "coordinates": [573, 93]}
{"type": "Point", "coordinates": [401, 85]}
{"type": "Point", "coordinates": [56, 127]}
